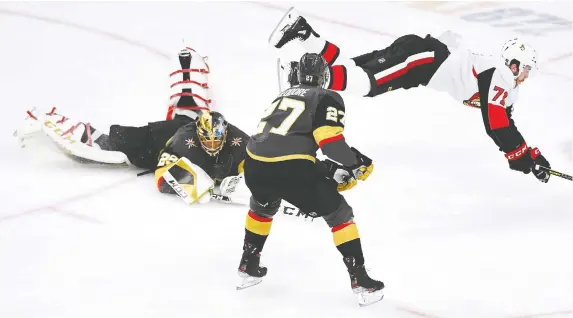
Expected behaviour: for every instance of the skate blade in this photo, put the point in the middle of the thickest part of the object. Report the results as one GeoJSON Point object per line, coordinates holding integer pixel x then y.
{"type": "Point", "coordinates": [366, 298]}
{"type": "Point", "coordinates": [248, 281]}
{"type": "Point", "coordinates": [286, 20]}
{"type": "Point", "coordinates": [282, 75]}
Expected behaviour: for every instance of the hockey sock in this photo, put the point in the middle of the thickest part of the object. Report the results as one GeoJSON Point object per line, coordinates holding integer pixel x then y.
{"type": "Point", "coordinates": [348, 78]}
{"type": "Point", "coordinates": [257, 229]}
{"type": "Point", "coordinates": [347, 241]}
{"type": "Point", "coordinates": [328, 50]}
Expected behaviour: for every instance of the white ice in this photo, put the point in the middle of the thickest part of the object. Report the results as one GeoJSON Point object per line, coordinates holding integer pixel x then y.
{"type": "Point", "coordinates": [444, 223]}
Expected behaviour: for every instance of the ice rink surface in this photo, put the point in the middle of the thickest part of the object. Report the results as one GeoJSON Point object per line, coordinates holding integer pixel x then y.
{"type": "Point", "coordinates": [444, 223]}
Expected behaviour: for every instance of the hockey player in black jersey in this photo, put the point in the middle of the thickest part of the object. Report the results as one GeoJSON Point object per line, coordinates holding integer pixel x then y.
{"type": "Point", "coordinates": [208, 146]}
{"type": "Point", "coordinates": [281, 164]}
{"type": "Point", "coordinates": [142, 146]}
{"type": "Point", "coordinates": [138, 146]}
{"type": "Point", "coordinates": [445, 64]}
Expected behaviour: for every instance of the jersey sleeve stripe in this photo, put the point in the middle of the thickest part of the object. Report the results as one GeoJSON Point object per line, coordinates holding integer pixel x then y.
{"type": "Point", "coordinates": [326, 134]}
{"type": "Point", "coordinates": [497, 116]}
{"type": "Point", "coordinates": [331, 139]}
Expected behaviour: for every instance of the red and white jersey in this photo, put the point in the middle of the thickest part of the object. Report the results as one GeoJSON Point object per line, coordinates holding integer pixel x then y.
{"type": "Point", "coordinates": [486, 83]}
{"type": "Point", "coordinates": [458, 75]}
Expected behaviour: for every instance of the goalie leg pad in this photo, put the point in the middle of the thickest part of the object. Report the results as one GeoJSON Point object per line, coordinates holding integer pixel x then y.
{"type": "Point", "coordinates": [67, 135]}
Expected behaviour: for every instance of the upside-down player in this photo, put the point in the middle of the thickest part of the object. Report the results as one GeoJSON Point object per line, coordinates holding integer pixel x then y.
{"type": "Point", "coordinates": [490, 84]}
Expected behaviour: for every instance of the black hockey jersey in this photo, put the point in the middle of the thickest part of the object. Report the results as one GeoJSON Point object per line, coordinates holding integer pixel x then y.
{"type": "Point", "coordinates": [185, 143]}
{"type": "Point", "coordinates": [299, 121]}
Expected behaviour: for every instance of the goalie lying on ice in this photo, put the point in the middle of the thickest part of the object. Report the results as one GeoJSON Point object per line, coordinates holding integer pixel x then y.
{"type": "Point", "coordinates": [212, 148]}
{"type": "Point", "coordinates": [199, 155]}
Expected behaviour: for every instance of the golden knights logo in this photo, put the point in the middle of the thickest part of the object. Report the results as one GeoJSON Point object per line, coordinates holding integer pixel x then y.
{"type": "Point", "coordinates": [236, 141]}
{"type": "Point", "coordinates": [473, 101]}
{"type": "Point", "coordinates": [190, 143]}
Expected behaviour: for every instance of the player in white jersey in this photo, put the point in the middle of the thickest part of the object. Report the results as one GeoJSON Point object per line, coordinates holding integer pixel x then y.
{"type": "Point", "coordinates": [443, 64]}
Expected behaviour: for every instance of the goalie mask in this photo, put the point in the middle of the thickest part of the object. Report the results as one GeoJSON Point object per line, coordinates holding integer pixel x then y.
{"type": "Point", "coordinates": [212, 132]}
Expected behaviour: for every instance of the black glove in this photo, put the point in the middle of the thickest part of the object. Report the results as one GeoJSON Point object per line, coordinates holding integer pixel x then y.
{"type": "Point", "coordinates": [364, 167]}
{"type": "Point", "coordinates": [339, 174]}
{"type": "Point", "coordinates": [539, 160]}
{"type": "Point", "coordinates": [520, 159]}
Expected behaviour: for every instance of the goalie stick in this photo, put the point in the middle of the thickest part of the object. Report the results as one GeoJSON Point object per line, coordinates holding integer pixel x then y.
{"type": "Point", "coordinates": [554, 173]}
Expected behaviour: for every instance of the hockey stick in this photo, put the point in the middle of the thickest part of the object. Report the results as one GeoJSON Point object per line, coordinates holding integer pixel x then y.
{"type": "Point", "coordinates": [553, 172]}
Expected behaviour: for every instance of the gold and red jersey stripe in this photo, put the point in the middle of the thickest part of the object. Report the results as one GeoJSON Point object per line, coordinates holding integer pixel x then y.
{"type": "Point", "coordinates": [325, 134]}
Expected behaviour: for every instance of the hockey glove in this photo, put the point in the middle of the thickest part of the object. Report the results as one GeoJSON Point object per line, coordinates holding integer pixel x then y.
{"type": "Point", "coordinates": [539, 160]}
{"type": "Point", "coordinates": [340, 174]}
{"type": "Point", "coordinates": [520, 159]}
{"type": "Point", "coordinates": [363, 168]}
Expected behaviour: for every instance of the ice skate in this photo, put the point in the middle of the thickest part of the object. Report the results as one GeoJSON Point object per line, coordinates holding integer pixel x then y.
{"type": "Point", "coordinates": [291, 26]}
{"type": "Point", "coordinates": [287, 73]}
{"type": "Point", "coordinates": [249, 271]}
{"type": "Point", "coordinates": [366, 289]}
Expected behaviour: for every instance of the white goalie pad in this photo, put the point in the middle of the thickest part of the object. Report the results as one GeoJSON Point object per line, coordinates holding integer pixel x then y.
{"type": "Point", "coordinates": [30, 131]}
{"type": "Point", "coordinates": [66, 134]}
{"type": "Point", "coordinates": [198, 82]}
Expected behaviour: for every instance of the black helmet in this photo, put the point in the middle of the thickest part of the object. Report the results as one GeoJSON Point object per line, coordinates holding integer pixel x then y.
{"type": "Point", "coordinates": [212, 131]}
{"type": "Point", "coordinates": [312, 69]}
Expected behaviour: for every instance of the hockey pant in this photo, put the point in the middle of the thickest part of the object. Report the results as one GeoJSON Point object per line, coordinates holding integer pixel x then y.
{"type": "Point", "coordinates": [408, 62]}
{"type": "Point", "coordinates": [142, 145]}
